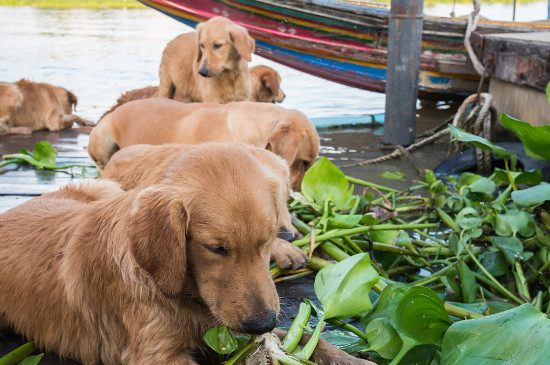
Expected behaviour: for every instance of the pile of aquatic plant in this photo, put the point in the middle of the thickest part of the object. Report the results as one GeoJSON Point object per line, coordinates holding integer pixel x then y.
{"type": "Point", "coordinates": [43, 157]}
{"type": "Point", "coordinates": [457, 267]}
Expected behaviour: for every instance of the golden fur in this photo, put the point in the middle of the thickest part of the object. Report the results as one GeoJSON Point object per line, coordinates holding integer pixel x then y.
{"type": "Point", "coordinates": [265, 89]}
{"type": "Point", "coordinates": [102, 275]}
{"type": "Point", "coordinates": [209, 65]}
{"type": "Point", "coordinates": [266, 85]}
{"type": "Point", "coordinates": [27, 106]}
{"type": "Point", "coordinates": [98, 274]}
{"type": "Point", "coordinates": [287, 133]}
{"type": "Point", "coordinates": [140, 166]}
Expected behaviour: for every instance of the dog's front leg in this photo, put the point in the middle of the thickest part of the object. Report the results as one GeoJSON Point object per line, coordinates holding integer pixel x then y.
{"type": "Point", "coordinates": [327, 354]}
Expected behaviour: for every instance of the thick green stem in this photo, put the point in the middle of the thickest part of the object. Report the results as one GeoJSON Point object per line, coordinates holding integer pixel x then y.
{"type": "Point", "coordinates": [461, 312]}
{"type": "Point", "coordinates": [296, 329]}
{"type": "Point", "coordinates": [18, 354]}
{"type": "Point", "coordinates": [307, 351]}
{"type": "Point", "coordinates": [495, 281]}
{"type": "Point", "coordinates": [354, 180]}
{"type": "Point", "coordinates": [353, 231]}
{"type": "Point", "coordinates": [509, 174]}
{"type": "Point", "coordinates": [522, 283]}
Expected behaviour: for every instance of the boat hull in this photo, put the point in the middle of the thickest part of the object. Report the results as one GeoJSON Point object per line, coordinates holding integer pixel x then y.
{"type": "Point", "coordinates": [342, 45]}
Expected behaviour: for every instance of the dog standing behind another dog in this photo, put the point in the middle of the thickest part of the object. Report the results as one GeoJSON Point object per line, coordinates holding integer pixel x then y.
{"type": "Point", "coordinates": [210, 65]}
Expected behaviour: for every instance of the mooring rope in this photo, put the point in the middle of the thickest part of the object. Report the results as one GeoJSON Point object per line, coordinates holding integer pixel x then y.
{"type": "Point", "coordinates": [470, 116]}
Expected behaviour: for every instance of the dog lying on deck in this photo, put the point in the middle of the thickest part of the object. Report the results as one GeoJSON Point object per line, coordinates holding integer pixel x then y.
{"type": "Point", "coordinates": [102, 275]}
{"type": "Point", "coordinates": [287, 133]}
{"type": "Point", "coordinates": [209, 65]}
{"type": "Point", "coordinates": [27, 106]}
{"type": "Point", "coordinates": [140, 166]}
{"type": "Point", "coordinates": [266, 88]}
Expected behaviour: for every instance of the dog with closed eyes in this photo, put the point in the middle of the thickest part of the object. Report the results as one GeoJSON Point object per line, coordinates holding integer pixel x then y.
{"type": "Point", "coordinates": [102, 275]}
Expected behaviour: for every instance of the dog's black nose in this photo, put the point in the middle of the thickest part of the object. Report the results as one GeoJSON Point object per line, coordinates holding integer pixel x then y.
{"type": "Point", "coordinates": [285, 234]}
{"type": "Point", "coordinates": [203, 72]}
{"type": "Point", "coordinates": [258, 324]}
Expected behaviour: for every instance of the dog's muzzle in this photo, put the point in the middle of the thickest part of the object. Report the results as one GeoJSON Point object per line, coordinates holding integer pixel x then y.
{"type": "Point", "coordinates": [261, 323]}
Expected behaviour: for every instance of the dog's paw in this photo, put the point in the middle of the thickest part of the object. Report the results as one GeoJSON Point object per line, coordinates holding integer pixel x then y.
{"type": "Point", "coordinates": [288, 256]}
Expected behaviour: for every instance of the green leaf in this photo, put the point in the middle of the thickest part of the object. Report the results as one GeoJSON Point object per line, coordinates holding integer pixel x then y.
{"type": "Point", "coordinates": [343, 289]}
{"type": "Point", "coordinates": [494, 262]}
{"type": "Point", "coordinates": [513, 222]}
{"type": "Point", "coordinates": [383, 338]}
{"type": "Point", "coordinates": [483, 185]}
{"type": "Point", "coordinates": [535, 139]}
{"type": "Point", "coordinates": [31, 360]}
{"type": "Point", "coordinates": [454, 244]}
{"type": "Point", "coordinates": [44, 153]}
{"type": "Point", "coordinates": [324, 181]}
{"type": "Point", "coordinates": [430, 177]}
{"type": "Point", "coordinates": [221, 340]}
{"type": "Point", "coordinates": [469, 285]}
{"type": "Point", "coordinates": [467, 179]}
{"type": "Point", "coordinates": [511, 247]}
{"type": "Point", "coordinates": [479, 142]}
{"type": "Point", "coordinates": [393, 175]}
{"type": "Point", "coordinates": [344, 341]}
{"type": "Point", "coordinates": [533, 177]}
{"type": "Point", "coordinates": [517, 336]}
{"type": "Point", "coordinates": [415, 312]}
{"type": "Point", "coordinates": [533, 196]}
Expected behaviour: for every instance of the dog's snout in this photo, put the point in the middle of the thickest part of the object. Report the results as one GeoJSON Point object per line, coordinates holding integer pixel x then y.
{"type": "Point", "coordinates": [203, 71]}
{"type": "Point", "coordinates": [261, 323]}
{"type": "Point", "coordinates": [285, 234]}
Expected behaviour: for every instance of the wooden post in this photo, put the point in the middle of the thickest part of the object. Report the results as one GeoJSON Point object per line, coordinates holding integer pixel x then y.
{"type": "Point", "coordinates": [404, 41]}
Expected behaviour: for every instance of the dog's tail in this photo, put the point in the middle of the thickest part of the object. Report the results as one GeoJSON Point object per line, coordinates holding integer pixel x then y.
{"type": "Point", "coordinates": [102, 144]}
{"type": "Point", "coordinates": [73, 100]}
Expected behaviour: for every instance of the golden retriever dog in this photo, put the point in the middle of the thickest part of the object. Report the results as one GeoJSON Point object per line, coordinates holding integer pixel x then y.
{"type": "Point", "coordinates": [140, 166]}
{"type": "Point", "coordinates": [27, 106]}
{"type": "Point", "coordinates": [265, 89]}
{"type": "Point", "coordinates": [102, 275]}
{"type": "Point", "coordinates": [285, 132]}
{"type": "Point", "coordinates": [209, 65]}
{"type": "Point", "coordinates": [266, 85]}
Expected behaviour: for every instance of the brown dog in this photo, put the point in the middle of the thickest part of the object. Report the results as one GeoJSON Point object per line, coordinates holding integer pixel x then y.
{"type": "Point", "coordinates": [266, 85]}
{"type": "Point", "coordinates": [209, 65]}
{"type": "Point", "coordinates": [140, 166]}
{"type": "Point", "coordinates": [287, 133]}
{"type": "Point", "coordinates": [27, 106]}
{"type": "Point", "coordinates": [100, 275]}
{"type": "Point", "coordinates": [265, 89]}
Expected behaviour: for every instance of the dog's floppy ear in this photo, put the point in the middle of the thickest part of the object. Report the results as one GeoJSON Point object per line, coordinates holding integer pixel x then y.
{"type": "Point", "coordinates": [199, 50]}
{"type": "Point", "coordinates": [284, 141]}
{"type": "Point", "coordinates": [157, 227]}
{"type": "Point", "coordinates": [269, 81]}
{"type": "Point", "coordinates": [243, 43]}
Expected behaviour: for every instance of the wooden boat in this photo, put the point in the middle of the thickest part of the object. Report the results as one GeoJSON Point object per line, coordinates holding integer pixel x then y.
{"type": "Point", "coordinates": [346, 42]}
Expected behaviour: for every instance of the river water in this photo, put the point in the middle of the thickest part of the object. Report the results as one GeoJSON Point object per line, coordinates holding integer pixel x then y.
{"type": "Point", "coordinates": [100, 53]}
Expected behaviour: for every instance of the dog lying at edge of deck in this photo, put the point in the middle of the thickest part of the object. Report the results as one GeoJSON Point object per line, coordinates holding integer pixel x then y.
{"type": "Point", "coordinates": [27, 106]}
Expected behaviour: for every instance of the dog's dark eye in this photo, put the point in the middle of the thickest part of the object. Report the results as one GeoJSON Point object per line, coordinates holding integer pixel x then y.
{"type": "Point", "coordinates": [217, 46]}
{"type": "Point", "coordinates": [202, 46]}
{"type": "Point", "coordinates": [218, 250]}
